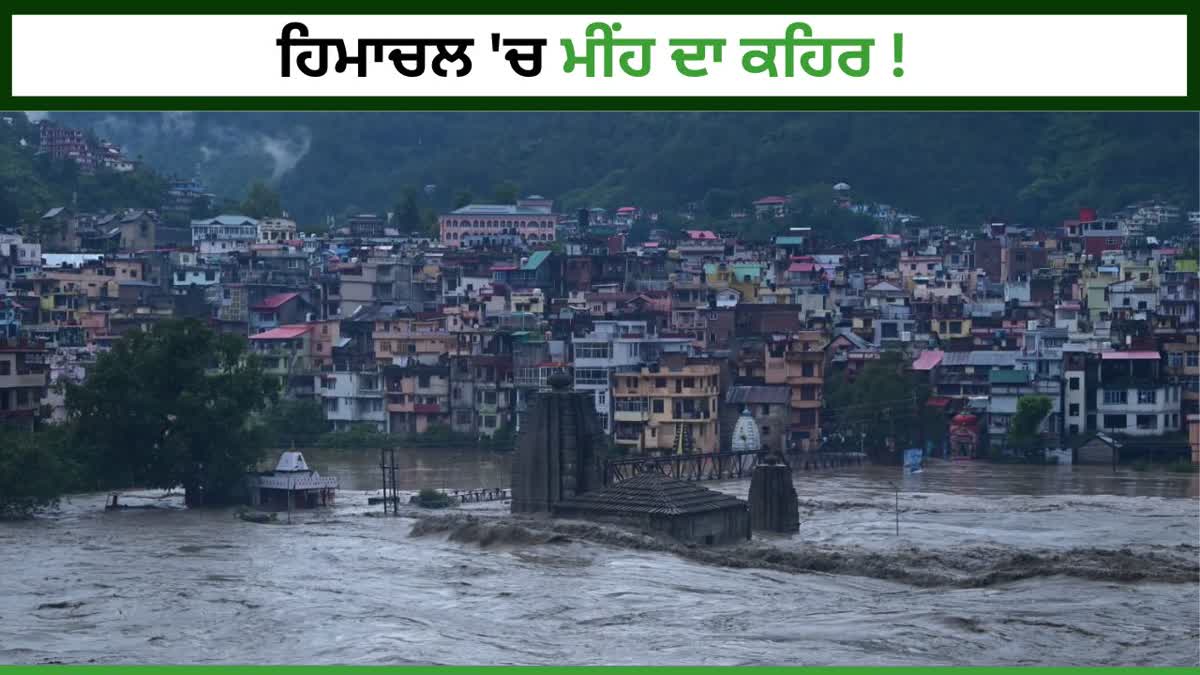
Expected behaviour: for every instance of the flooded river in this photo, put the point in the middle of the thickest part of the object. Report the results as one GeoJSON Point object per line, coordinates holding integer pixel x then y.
{"type": "Point", "coordinates": [994, 565]}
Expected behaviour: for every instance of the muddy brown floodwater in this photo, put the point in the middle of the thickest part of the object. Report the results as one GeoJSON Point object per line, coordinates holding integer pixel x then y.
{"type": "Point", "coordinates": [994, 565]}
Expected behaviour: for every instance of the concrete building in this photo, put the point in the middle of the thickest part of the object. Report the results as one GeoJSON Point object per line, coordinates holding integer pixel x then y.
{"type": "Point", "coordinates": [286, 354]}
{"type": "Point", "coordinates": [276, 230]}
{"type": "Point", "coordinates": [1132, 398]}
{"type": "Point", "coordinates": [614, 347]}
{"type": "Point", "coordinates": [224, 235]}
{"type": "Point", "coordinates": [23, 380]}
{"type": "Point", "coordinates": [669, 407]}
{"type": "Point", "coordinates": [530, 223]}
{"type": "Point", "coordinates": [797, 360]}
{"type": "Point", "coordinates": [352, 397]}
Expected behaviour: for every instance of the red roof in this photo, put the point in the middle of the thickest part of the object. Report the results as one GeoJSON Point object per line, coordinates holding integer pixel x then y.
{"type": "Point", "coordinates": [938, 402]}
{"type": "Point", "coordinates": [282, 333]}
{"type": "Point", "coordinates": [701, 234]}
{"type": "Point", "coordinates": [503, 268]}
{"type": "Point", "coordinates": [627, 209]}
{"type": "Point", "coordinates": [774, 199]}
{"type": "Point", "coordinates": [802, 267]}
{"type": "Point", "coordinates": [928, 360]}
{"type": "Point", "coordinates": [1130, 356]}
{"type": "Point", "coordinates": [275, 301]}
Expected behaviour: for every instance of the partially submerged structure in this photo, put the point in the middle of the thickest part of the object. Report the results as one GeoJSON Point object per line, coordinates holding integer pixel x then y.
{"type": "Point", "coordinates": [654, 502]}
{"type": "Point", "coordinates": [292, 485]}
{"type": "Point", "coordinates": [774, 506]}
{"type": "Point", "coordinates": [559, 451]}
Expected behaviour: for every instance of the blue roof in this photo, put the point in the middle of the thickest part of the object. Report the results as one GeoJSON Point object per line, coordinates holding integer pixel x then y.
{"type": "Point", "coordinates": [499, 210]}
{"type": "Point", "coordinates": [535, 260]}
{"type": "Point", "coordinates": [226, 219]}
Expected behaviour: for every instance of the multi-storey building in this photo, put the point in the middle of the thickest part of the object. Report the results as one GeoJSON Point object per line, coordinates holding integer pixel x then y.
{"type": "Point", "coordinates": [669, 407]}
{"type": "Point", "coordinates": [613, 347]}
{"type": "Point", "coordinates": [528, 223]}
{"type": "Point", "coordinates": [23, 371]}
{"type": "Point", "coordinates": [224, 235]}
{"type": "Point", "coordinates": [1132, 398]}
{"type": "Point", "coordinates": [798, 361]}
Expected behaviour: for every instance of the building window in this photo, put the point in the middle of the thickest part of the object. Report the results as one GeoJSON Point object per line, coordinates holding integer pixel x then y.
{"type": "Point", "coordinates": [658, 405]}
{"type": "Point", "coordinates": [5, 367]}
{"type": "Point", "coordinates": [1147, 421]}
{"type": "Point", "coordinates": [1073, 410]}
{"type": "Point", "coordinates": [1115, 397]}
{"type": "Point", "coordinates": [591, 376]}
{"type": "Point", "coordinates": [1074, 384]}
{"type": "Point", "coordinates": [489, 421]}
{"type": "Point", "coordinates": [1193, 359]}
{"type": "Point", "coordinates": [660, 382]}
{"type": "Point", "coordinates": [593, 351]}
{"type": "Point", "coordinates": [806, 370]}
{"type": "Point", "coordinates": [1114, 421]}
{"type": "Point", "coordinates": [1147, 396]}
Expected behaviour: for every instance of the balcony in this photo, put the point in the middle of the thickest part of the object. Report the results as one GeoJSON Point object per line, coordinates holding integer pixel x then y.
{"type": "Point", "coordinates": [631, 410]}
{"type": "Point", "coordinates": [22, 380]}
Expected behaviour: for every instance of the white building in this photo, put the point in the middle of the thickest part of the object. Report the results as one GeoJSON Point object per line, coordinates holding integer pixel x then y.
{"type": "Point", "coordinates": [612, 347]}
{"type": "Point", "coordinates": [224, 235]}
{"type": "Point", "coordinates": [1132, 398]}
{"type": "Point", "coordinates": [351, 398]}
{"type": "Point", "coordinates": [276, 230]}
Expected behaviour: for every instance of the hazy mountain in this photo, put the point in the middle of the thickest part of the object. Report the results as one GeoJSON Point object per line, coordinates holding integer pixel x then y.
{"type": "Point", "coordinates": [949, 167]}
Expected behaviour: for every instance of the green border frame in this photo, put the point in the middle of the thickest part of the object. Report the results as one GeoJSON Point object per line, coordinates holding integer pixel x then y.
{"type": "Point", "coordinates": [1190, 102]}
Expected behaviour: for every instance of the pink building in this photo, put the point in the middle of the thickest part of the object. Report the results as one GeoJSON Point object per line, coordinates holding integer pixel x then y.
{"type": "Point", "coordinates": [532, 222]}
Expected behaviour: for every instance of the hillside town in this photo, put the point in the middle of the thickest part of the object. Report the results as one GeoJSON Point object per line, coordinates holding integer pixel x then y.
{"type": "Point", "coordinates": [676, 333]}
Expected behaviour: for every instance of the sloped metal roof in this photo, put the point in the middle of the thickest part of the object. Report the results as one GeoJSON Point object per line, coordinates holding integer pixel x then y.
{"type": "Point", "coordinates": [652, 494]}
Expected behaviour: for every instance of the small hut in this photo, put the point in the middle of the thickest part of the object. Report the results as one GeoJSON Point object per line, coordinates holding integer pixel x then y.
{"type": "Point", "coordinates": [292, 485]}
{"type": "Point", "coordinates": [1098, 449]}
{"type": "Point", "coordinates": [652, 501]}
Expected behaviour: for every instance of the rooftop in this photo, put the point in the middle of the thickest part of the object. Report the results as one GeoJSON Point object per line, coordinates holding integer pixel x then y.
{"type": "Point", "coordinates": [276, 301]}
{"type": "Point", "coordinates": [1130, 356]}
{"type": "Point", "coordinates": [499, 210]}
{"type": "Point", "coordinates": [652, 494]}
{"type": "Point", "coordinates": [282, 333]}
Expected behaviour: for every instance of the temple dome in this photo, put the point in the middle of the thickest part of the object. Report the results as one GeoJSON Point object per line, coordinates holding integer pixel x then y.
{"type": "Point", "coordinates": [745, 434]}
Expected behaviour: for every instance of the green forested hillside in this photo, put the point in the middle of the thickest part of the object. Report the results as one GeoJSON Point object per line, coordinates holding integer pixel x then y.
{"type": "Point", "coordinates": [947, 167]}
{"type": "Point", "coordinates": [30, 183]}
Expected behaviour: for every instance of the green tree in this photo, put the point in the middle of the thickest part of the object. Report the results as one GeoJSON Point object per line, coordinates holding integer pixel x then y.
{"type": "Point", "coordinates": [506, 193]}
{"type": "Point", "coordinates": [295, 421]}
{"type": "Point", "coordinates": [883, 406]}
{"type": "Point", "coordinates": [172, 407]}
{"type": "Point", "coordinates": [262, 202]}
{"type": "Point", "coordinates": [33, 472]}
{"type": "Point", "coordinates": [1023, 433]}
{"type": "Point", "coordinates": [407, 213]}
{"type": "Point", "coordinates": [462, 198]}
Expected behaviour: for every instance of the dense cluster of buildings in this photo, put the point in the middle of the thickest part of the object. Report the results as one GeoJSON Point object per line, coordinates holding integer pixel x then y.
{"type": "Point", "coordinates": [65, 143]}
{"type": "Point", "coordinates": [672, 339]}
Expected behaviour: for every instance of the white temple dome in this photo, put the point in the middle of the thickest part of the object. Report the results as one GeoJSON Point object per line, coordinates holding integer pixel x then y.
{"type": "Point", "coordinates": [745, 434]}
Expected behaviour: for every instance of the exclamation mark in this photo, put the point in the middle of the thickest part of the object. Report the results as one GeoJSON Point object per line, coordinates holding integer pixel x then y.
{"type": "Point", "coordinates": [898, 47]}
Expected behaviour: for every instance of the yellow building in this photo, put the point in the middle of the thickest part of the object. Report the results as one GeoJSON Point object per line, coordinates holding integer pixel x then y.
{"type": "Point", "coordinates": [421, 339]}
{"type": "Point", "coordinates": [798, 360]}
{"type": "Point", "coordinates": [949, 329]}
{"type": "Point", "coordinates": [668, 408]}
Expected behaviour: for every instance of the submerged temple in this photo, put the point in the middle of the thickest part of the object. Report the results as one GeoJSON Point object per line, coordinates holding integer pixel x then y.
{"type": "Point", "coordinates": [560, 451]}
{"type": "Point", "coordinates": [683, 511]}
{"type": "Point", "coordinates": [773, 503]}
